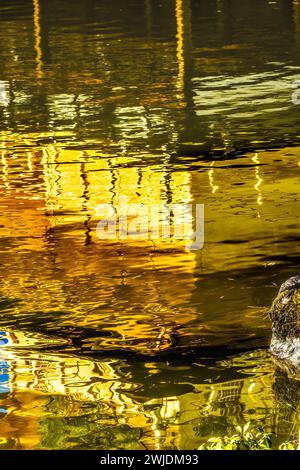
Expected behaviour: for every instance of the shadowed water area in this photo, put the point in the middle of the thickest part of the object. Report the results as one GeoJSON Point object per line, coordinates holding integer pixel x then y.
{"type": "Point", "coordinates": [126, 343]}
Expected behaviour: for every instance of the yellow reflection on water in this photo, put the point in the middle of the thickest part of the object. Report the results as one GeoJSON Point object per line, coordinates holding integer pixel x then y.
{"type": "Point", "coordinates": [259, 180]}
{"type": "Point", "coordinates": [37, 38]}
{"type": "Point", "coordinates": [49, 390]}
{"type": "Point", "coordinates": [180, 44]}
{"type": "Point", "coordinates": [214, 187]}
{"type": "Point", "coordinates": [63, 287]}
{"type": "Point", "coordinates": [52, 209]}
{"type": "Point", "coordinates": [127, 295]}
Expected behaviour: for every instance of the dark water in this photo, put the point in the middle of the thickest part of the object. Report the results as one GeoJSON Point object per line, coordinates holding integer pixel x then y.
{"type": "Point", "coordinates": [145, 344]}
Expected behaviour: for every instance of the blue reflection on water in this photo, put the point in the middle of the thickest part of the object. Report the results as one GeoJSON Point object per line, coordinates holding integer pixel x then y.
{"type": "Point", "coordinates": [4, 369]}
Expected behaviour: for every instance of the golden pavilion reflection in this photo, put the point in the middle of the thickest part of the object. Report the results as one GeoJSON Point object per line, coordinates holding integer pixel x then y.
{"type": "Point", "coordinates": [52, 213]}
{"type": "Point", "coordinates": [141, 342]}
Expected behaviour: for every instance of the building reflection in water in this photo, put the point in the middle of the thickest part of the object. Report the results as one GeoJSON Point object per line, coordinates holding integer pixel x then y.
{"type": "Point", "coordinates": [111, 404]}
{"type": "Point", "coordinates": [85, 126]}
{"type": "Point", "coordinates": [49, 226]}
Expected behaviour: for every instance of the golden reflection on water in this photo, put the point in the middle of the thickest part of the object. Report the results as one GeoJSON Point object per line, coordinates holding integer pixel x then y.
{"type": "Point", "coordinates": [69, 281]}
{"type": "Point", "coordinates": [214, 187]}
{"type": "Point", "coordinates": [62, 401]}
{"type": "Point", "coordinates": [51, 213]}
{"type": "Point", "coordinates": [180, 44]}
{"type": "Point", "coordinates": [259, 181]}
{"type": "Point", "coordinates": [37, 37]}
{"type": "Point", "coordinates": [68, 297]}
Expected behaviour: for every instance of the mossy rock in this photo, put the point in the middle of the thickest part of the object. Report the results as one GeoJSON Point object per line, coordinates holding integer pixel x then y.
{"type": "Point", "coordinates": [285, 317]}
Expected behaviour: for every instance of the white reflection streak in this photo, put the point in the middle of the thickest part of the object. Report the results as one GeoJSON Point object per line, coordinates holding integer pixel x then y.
{"type": "Point", "coordinates": [211, 179]}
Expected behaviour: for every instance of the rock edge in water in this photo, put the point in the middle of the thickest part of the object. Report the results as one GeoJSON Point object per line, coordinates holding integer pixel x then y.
{"type": "Point", "coordinates": [285, 317]}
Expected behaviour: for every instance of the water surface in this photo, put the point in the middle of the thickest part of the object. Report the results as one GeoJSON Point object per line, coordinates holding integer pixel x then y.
{"type": "Point", "coordinates": [114, 344]}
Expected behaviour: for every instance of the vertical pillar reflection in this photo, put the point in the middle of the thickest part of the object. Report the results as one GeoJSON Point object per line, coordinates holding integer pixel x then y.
{"type": "Point", "coordinates": [37, 38]}
{"type": "Point", "coordinates": [180, 43]}
{"type": "Point", "coordinates": [183, 49]}
{"type": "Point", "coordinates": [184, 85]}
{"type": "Point", "coordinates": [258, 182]}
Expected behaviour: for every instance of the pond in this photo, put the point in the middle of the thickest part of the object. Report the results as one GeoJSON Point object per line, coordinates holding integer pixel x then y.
{"type": "Point", "coordinates": [143, 343]}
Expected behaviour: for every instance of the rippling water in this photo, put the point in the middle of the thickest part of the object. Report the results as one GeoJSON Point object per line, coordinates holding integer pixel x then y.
{"type": "Point", "coordinates": [145, 344]}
